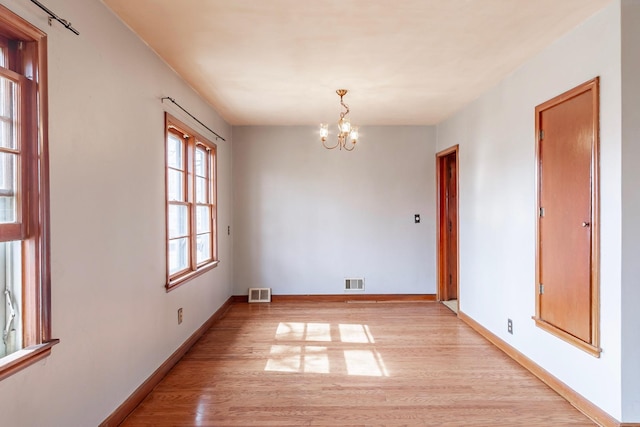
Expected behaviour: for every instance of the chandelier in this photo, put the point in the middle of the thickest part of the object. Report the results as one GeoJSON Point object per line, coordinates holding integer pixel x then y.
{"type": "Point", "coordinates": [347, 135]}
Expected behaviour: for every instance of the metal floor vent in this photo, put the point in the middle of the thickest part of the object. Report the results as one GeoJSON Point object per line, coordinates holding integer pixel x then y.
{"type": "Point", "coordinates": [354, 284]}
{"type": "Point", "coordinates": [259, 294]}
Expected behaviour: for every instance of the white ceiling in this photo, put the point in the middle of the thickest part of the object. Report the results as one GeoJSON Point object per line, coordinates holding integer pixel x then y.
{"type": "Point", "coordinates": [405, 62]}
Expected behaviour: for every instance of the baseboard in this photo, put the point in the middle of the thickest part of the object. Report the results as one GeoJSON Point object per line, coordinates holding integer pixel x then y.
{"type": "Point", "coordinates": [345, 298]}
{"type": "Point", "coordinates": [578, 401]}
{"type": "Point", "coordinates": [123, 411]}
{"type": "Point", "coordinates": [239, 298]}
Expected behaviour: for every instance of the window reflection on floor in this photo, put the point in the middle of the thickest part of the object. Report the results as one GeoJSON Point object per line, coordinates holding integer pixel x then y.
{"type": "Point", "coordinates": [364, 362]}
{"type": "Point", "coordinates": [293, 331]}
{"type": "Point", "coordinates": [304, 349]}
{"type": "Point", "coordinates": [284, 358]}
{"type": "Point", "coordinates": [355, 334]}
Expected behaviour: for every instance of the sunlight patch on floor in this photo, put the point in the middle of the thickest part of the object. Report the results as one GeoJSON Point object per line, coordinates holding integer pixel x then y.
{"type": "Point", "coordinates": [295, 331]}
{"type": "Point", "coordinates": [318, 332]}
{"type": "Point", "coordinates": [299, 355]}
{"type": "Point", "coordinates": [355, 333]}
{"type": "Point", "coordinates": [365, 363]}
{"type": "Point", "coordinates": [284, 358]}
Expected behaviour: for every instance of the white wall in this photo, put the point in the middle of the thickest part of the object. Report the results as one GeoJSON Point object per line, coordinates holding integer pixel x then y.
{"type": "Point", "coordinates": [110, 310]}
{"type": "Point", "coordinates": [306, 217]}
{"type": "Point", "coordinates": [630, 210]}
{"type": "Point", "coordinates": [497, 204]}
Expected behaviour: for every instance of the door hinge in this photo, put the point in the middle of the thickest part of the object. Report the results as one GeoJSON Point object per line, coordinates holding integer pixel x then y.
{"type": "Point", "coordinates": [450, 279]}
{"type": "Point", "coordinates": [541, 289]}
{"type": "Point", "coordinates": [541, 212]}
{"type": "Point", "coordinates": [541, 135]}
{"type": "Point", "coordinates": [449, 226]}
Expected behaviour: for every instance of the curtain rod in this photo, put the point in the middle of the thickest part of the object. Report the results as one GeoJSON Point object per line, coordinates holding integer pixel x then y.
{"type": "Point", "coordinates": [193, 117]}
{"type": "Point", "coordinates": [52, 15]}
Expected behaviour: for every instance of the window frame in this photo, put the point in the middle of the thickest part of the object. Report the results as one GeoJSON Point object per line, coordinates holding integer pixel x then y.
{"type": "Point", "coordinates": [18, 229]}
{"type": "Point", "coordinates": [192, 141]}
{"type": "Point", "coordinates": [30, 61]}
{"type": "Point", "coordinates": [209, 202]}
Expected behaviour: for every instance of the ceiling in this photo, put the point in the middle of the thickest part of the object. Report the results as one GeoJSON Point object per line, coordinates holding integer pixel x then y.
{"type": "Point", "coordinates": [405, 62]}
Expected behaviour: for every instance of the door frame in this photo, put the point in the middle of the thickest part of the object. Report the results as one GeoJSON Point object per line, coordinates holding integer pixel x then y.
{"type": "Point", "coordinates": [441, 237]}
{"type": "Point", "coordinates": [592, 347]}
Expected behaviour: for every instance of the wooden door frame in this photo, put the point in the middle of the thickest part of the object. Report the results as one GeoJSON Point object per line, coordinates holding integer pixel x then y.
{"type": "Point", "coordinates": [440, 250]}
{"type": "Point", "coordinates": [592, 347]}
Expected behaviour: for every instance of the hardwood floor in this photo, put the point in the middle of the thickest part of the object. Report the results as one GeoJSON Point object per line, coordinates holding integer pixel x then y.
{"type": "Point", "coordinates": [349, 364]}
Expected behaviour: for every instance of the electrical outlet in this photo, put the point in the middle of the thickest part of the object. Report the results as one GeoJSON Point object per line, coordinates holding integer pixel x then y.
{"type": "Point", "coordinates": [180, 315]}
{"type": "Point", "coordinates": [510, 326]}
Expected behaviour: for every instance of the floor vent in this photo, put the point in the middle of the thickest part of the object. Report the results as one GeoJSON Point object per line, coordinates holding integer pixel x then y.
{"type": "Point", "coordinates": [259, 294]}
{"type": "Point", "coordinates": [354, 284]}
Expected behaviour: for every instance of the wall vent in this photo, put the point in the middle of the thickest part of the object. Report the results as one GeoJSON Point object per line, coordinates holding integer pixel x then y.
{"type": "Point", "coordinates": [354, 284]}
{"type": "Point", "coordinates": [259, 294]}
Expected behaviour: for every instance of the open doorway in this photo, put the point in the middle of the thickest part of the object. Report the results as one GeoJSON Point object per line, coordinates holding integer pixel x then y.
{"type": "Point", "coordinates": [447, 193]}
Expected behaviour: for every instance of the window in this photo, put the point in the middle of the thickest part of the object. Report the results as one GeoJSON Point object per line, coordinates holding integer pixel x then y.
{"type": "Point", "coordinates": [24, 212]}
{"type": "Point", "coordinates": [191, 203]}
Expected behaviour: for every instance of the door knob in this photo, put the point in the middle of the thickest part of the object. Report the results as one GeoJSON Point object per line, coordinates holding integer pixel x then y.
{"type": "Point", "coordinates": [585, 224]}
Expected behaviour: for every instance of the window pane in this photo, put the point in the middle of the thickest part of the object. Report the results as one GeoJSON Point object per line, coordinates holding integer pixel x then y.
{"type": "Point", "coordinates": [11, 297]}
{"type": "Point", "coordinates": [201, 190]}
{"type": "Point", "coordinates": [175, 185]}
{"type": "Point", "coordinates": [8, 108]}
{"type": "Point", "coordinates": [203, 219]}
{"type": "Point", "coordinates": [178, 255]}
{"type": "Point", "coordinates": [8, 172]}
{"type": "Point", "coordinates": [178, 221]}
{"type": "Point", "coordinates": [175, 147]}
{"type": "Point", "coordinates": [203, 246]}
{"type": "Point", "coordinates": [201, 165]}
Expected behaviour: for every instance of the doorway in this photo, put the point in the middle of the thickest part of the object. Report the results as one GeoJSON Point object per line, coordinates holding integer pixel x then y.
{"type": "Point", "coordinates": [447, 224]}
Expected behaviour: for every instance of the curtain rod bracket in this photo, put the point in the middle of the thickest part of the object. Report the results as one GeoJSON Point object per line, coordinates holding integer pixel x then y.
{"type": "Point", "coordinates": [53, 16]}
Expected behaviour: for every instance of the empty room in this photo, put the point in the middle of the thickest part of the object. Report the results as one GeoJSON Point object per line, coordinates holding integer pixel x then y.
{"type": "Point", "coordinates": [327, 213]}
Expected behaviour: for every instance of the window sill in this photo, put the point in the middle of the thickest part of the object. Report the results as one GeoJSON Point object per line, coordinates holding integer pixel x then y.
{"type": "Point", "coordinates": [21, 359]}
{"type": "Point", "coordinates": [577, 342]}
{"type": "Point", "coordinates": [180, 280]}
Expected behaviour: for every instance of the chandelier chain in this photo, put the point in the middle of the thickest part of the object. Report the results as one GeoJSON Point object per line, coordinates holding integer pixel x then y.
{"type": "Point", "coordinates": [343, 114]}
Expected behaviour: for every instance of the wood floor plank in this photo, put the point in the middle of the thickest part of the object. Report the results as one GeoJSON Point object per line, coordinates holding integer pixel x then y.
{"type": "Point", "coordinates": [341, 364]}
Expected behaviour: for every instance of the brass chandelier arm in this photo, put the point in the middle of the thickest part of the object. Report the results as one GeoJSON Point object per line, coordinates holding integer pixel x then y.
{"type": "Point", "coordinates": [330, 148]}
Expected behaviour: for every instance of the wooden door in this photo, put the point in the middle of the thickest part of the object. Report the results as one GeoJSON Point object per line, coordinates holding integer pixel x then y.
{"type": "Point", "coordinates": [451, 219]}
{"type": "Point", "coordinates": [447, 174]}
{"type": "Point", "coordinates": [567, 213]}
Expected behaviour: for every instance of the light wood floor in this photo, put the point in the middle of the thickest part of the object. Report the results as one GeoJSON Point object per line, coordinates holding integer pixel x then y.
{"type": "Point", "coordinates": [349, 364]}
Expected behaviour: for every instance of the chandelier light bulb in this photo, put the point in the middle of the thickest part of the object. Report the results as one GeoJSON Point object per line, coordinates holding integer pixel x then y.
{"type": "Point", "coordinates": [324, 131]}
{"type": "Point", "coordinates": [345, 125]}
{"type": "Point", "coordinates": [354, 134]}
